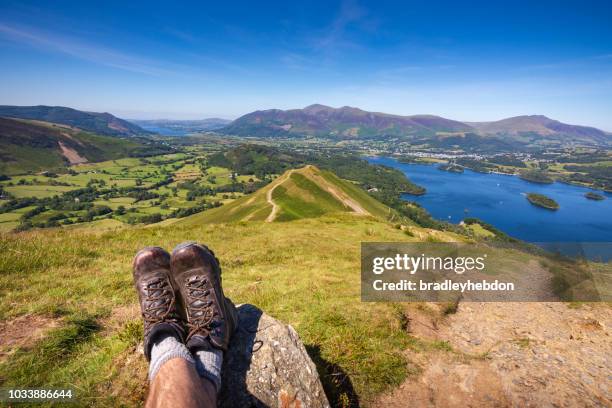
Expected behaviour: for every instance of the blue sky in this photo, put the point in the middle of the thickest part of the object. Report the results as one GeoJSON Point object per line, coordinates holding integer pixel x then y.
{"type": "Point", "coordinates": [462, 60]}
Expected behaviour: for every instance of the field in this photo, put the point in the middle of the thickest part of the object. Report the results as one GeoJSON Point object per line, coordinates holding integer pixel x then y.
{"type": "Point", "coordinates": [129, 190]}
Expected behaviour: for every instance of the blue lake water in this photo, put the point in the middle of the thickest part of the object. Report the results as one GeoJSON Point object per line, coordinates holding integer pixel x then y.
{"type": "Point", "coordinates": [164, 131]}
{"type": "Point", "coordinates": [500, 200]}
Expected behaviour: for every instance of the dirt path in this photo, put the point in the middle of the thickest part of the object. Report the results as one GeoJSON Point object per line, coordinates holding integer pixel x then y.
{"type": "Point", "coordinates": [511, 354]}
{"type": "Point", "coordinates": [275, 207]}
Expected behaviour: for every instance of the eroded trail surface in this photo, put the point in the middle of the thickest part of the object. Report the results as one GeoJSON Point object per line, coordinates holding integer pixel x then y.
{"type": "Point", "coordinates": [511, 355]}
{"type": "Point", "coordinates": [275, 206]}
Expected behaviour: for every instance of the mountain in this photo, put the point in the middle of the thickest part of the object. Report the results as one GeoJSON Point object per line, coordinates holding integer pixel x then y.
{"type": "Point", "coordinates": [542, 126]}
{"type": "Point", "coordinates": [353, 123]}
{"type": "Point", "coordinates": [170, 127]}
{"type": "Point", "coordinates": [345, 122]}
{"type": "Point", "coordinates": [307, 192]}
{"type": "Point", "coordinates": [34, 146]}
{"type": "Point", "coordinates": [100, 123]}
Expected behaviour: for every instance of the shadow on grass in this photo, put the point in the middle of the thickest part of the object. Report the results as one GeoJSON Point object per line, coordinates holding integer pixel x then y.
{"type": "Point", "coordinates": [336, 382]}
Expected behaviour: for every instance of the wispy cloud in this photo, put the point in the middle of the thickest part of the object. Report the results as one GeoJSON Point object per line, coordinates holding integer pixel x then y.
{"type": "Point", "coordinates": [335, 35]}
{"type": "Point", "coordinates": [320, 49]}
{"type": "Point", "coordinates": [51, 42]}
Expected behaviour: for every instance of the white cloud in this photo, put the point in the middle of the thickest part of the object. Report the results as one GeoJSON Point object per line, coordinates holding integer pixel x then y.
{"type": "Point", "coordinates": [50, 42]}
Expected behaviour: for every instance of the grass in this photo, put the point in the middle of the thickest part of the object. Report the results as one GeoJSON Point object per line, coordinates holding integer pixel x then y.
{"type": "Point", "coordinates": [480, 231]}
{"type": "Point", "coordinates": [301, 197]}
{"type": "Point", "coordinates": [38, 191]}
{"type": "Point", "coordinates": [308, 278]}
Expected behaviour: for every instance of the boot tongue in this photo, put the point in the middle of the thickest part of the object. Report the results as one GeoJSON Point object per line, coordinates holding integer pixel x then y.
{"type": "Point", "coordinates": [198, 342]}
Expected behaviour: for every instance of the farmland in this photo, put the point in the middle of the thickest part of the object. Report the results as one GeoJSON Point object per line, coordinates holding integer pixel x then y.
{"type": "Point", "coordinates": [127, 191]}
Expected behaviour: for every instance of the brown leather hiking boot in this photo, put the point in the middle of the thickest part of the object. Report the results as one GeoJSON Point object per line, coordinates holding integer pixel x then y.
{"type": "Point", "coordinates": [151, 270]}
{"type": "Point", "coordinates": [209, 314]}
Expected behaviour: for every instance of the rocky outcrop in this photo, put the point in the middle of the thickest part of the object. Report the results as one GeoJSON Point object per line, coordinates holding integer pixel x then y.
{"type": "Point", "coordinates": [268, 366]}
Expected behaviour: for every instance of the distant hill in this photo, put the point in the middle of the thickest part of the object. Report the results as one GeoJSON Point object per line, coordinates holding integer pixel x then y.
{"type": "Point", "coordinates": [35, 146]}
{"type": "Point", "coordinates": [170, 127]}
{"type": "Point", "coordinates": [345, 122]}
{"type": "Point", "coordinates": [303, 193]}
{"type": "Point", "coordinates": [353, 123]}
{"type": "Point", "coordinates": [100, 123]}
{"type": "Point", "coordinates": [542, 126]}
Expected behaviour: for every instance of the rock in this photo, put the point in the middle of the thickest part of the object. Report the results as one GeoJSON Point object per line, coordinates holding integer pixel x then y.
{"type": "Point", "coordinates": [267, 365]}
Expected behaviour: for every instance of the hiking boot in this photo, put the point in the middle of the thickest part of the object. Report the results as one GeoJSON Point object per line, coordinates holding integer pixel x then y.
{"type": "Point", "coordinates": [209, 314]}
{"type": "Point", "coordinates": [151, 270]}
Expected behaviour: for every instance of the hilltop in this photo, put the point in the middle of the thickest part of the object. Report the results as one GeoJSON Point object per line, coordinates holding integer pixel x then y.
{"type": "Point", "coordinates": [100, 123]}
{"type": "Point", "coordinates": [34, 146]}
{"type": "Point", "coordinates": [307, 192]}
{"type": "Point", "coordinates": [354, 123]}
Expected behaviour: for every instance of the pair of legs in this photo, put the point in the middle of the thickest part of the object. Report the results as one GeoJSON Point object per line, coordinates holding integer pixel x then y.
{"type": "Point", "coordinates": [188, 323]}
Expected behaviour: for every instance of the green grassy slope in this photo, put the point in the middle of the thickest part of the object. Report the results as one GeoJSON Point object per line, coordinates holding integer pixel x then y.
{"type": "Point", "coordinates": [33, 146]}
{"type": "Point", "coordinates": [303, 193]}
{"type": "Point", "coordinates": [305, 272]}
{"type": "Point", "coordinates": [301, 197]}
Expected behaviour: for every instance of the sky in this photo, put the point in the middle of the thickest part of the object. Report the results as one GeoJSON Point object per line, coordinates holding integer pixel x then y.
{"type": "Point", "coordinates": [471, 61]}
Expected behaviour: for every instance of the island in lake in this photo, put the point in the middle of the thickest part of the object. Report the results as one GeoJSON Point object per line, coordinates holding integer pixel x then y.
{"type": "Point", "coordinates": [594, 196]}
{"type": "Point", "coordinates": [542, 201]}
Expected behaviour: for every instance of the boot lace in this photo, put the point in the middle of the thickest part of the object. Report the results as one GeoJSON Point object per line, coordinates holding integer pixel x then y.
{"type": "Point", "coordinates": [160, 301]}
{"type": "Point", "coordinates": [200, 311]}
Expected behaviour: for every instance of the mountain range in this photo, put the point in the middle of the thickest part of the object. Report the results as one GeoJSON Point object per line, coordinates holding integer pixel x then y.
{"type": "Point", "coordinates": [353, 123]}
{"type": "Point", "coordinates": [345, 123]}
{"type": "Point", "coordinates": [100, 123]}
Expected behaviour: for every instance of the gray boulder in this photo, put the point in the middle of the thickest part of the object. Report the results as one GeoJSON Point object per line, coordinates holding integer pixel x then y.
{"type": "Point", "coordinates": [267, 366]}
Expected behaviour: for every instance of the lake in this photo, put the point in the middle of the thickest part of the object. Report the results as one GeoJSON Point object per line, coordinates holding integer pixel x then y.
{"type": "Point", "coordinates": [164, 131]}
{"type": "Point", "coordinates": [500, 200]}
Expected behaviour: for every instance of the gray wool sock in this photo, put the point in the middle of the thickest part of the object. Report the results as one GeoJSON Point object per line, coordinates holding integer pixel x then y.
{"type": "Point", "coordinates": [208, 363]}
{"type": "Point", "coordinates": [164, 349]}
